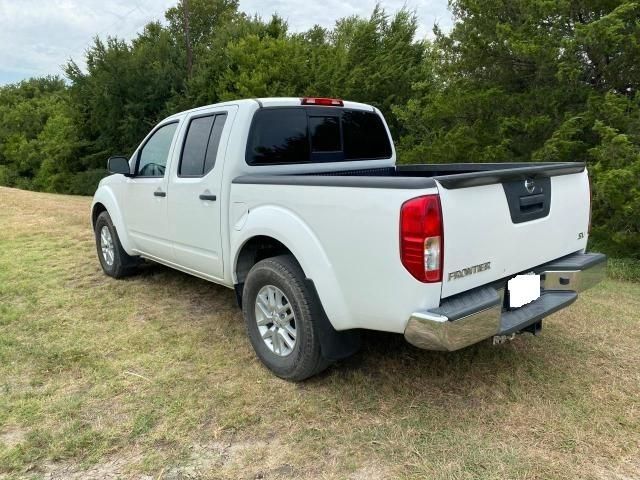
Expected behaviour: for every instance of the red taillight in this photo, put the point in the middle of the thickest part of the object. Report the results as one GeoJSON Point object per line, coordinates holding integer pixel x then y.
{"type": "Point", "coordinates": [422, 238]}
{"type": "Point", "coordinates": [330, 102]}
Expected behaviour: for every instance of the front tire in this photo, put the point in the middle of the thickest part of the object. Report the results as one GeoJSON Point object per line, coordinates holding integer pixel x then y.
{"type": "Point", "coordinates": [114, 260]}
{"type": "Point", "coordinates": [277, 307]}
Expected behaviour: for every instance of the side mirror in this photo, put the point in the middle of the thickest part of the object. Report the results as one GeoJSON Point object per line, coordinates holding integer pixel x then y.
{"type": "Point", "coordinates": [119, 164]}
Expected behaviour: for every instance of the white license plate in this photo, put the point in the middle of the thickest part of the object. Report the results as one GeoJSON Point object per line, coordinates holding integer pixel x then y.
{"type": "Point", "coordinates": [523, 289]}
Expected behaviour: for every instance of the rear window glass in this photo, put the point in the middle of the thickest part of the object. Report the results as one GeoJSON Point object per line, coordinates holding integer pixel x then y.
{"type": "Point", "coordinates": [313, 134]}
{"type": "Point", "coordinates": [325, 134]}
{"type": "Point", "coordinates": [364, 136]}
{"type": "Point", "coordinates": [279, 135]}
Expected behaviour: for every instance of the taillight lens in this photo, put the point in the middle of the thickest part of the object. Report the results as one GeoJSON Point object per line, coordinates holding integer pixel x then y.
{"type": "Point", "coordinates": [422, 238]}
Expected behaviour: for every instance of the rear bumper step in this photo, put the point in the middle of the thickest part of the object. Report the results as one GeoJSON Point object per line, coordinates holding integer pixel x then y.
{"type": "Point", "coordinates": [473, 316]}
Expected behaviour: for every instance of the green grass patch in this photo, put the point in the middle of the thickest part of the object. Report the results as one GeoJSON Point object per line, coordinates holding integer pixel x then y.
{"type": "Point", "coordinates": [626, 269]}
{"type": "Point", "coordinates": [154, 376]}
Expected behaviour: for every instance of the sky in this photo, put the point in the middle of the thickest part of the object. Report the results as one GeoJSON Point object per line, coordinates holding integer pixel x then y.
{"type": "Point", "coordinates": [37, 37]}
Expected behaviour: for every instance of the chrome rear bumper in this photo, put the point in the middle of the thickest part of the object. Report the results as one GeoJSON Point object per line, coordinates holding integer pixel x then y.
{"type": "Point", "coordinates": [470, 317]}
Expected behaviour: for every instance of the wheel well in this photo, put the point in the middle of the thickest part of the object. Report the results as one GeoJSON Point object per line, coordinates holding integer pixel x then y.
{"type": "Point", "coordinates": [256, 249]}
{"type": "Point", "coordinates": [98, 208]}
{"type": "Point", "coordinates": [335, 345]}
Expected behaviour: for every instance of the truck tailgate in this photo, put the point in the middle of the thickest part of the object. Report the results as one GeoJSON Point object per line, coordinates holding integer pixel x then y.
{"type": "Point", "coordinates": [513, 222]}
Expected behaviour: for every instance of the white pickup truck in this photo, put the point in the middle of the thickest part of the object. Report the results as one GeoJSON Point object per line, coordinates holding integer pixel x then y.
{"type": "Point", "coordinates": [299, 205]}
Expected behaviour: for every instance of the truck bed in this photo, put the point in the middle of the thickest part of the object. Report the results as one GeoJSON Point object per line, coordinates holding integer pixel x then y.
{"type": "Point", "coordinates": [511, 216]}
{"type": "Point", "coordinates": [449, 175]}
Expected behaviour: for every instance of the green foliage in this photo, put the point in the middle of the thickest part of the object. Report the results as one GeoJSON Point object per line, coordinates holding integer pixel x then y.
{"type": "Point", "coordinates": [37, 134]}
{"type": "Point", "coordinates": [538, 80]}
{"type": "Point", "coordinates": [125, 89]}
{"type": "Point", "coordinates": [521, 80]}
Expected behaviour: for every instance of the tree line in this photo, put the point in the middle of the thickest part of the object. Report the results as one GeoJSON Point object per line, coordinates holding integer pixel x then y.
{"type": "Point", "coordinates": [514, 80]}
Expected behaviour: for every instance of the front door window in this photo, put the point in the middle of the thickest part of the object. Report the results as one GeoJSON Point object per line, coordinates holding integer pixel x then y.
{"type": "Point", "coordinates": [152, 160]}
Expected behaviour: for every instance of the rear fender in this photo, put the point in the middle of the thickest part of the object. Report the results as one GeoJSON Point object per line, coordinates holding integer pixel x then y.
{"type": "Point", "coordinates": [286, 227]}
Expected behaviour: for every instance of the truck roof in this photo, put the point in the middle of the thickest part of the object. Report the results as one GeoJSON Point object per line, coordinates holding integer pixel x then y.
{"type": "Point", "coordinates": [270, 102]}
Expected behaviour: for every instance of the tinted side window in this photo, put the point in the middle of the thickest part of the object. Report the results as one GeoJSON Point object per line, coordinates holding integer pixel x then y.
{"type": "Point", "coordinates": [152, 159]}
{"type": "Point", "coordinates": [278, 135]}
{"type": "Point", "coordinates": [195, 146]}
{"type": "Point", "coordinates": [201, 145]}
{"type": "Point", "coordinates": [325, 134]}
{"type": "Point", "coordinates": [364, 136]}
{"type": "Point", "coordinates": [214, 143]}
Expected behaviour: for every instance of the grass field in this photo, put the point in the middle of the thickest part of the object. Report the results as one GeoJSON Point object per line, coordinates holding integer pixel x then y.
{"type": "Point", "coordinates": [153, 377]}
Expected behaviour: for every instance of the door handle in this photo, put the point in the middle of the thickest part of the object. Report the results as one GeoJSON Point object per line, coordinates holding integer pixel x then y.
{"type": "Point", "coordinates": [159, 193]}
{"type": "Point", "coordinates": [206, 196]}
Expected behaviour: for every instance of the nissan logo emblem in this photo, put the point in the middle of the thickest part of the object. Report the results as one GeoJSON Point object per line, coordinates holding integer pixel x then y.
{"type": "Point", "coordinates": [530, 185]}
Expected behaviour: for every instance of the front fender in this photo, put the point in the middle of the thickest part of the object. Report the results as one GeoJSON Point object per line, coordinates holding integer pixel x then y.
{"type": "Point", "coordinates": [286, 227]}
{"type": "Point", "coordinates": [105, 196]}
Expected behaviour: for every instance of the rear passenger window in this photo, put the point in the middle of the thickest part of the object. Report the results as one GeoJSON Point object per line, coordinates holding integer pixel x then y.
{"type": "Point", "coordinates": [278, 135]}
{"type": "Point", "coordinates": [201, 145]}
{"type": "Point", "coordinates": [214, 143]}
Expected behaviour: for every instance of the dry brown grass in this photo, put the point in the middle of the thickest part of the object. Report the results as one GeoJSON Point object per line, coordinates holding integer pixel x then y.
{"type": "Point", "coordinates": [153, 377]}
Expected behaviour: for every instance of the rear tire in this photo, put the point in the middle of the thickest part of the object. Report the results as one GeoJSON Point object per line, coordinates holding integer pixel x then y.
{"type": "Point", "coordinates": [278, 311]}
{"type": "Point", "coordinates": [114, 260]}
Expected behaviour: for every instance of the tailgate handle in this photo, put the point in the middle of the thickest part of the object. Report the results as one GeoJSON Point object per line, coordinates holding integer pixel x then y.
{"type": "Point", "coordinates": [525, 203]}
{"type": "Point", "coordinates": [531, 203]}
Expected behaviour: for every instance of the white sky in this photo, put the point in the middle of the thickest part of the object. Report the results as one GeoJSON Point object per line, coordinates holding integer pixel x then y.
{"type": "Point", "coordinates": [37, 37]}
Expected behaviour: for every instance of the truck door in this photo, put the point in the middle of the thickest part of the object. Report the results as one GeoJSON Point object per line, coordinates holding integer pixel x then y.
{"type": "Point", "coordinates": [145, 208]}
{"type": "Point", "coordinates": [195, 202]}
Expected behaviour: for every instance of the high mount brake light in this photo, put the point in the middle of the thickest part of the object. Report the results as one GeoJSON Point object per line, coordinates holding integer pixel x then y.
{"type": "Point", "coordinates": [422, 238]}
{"type": "Point", "coordinates": [329, 102]}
